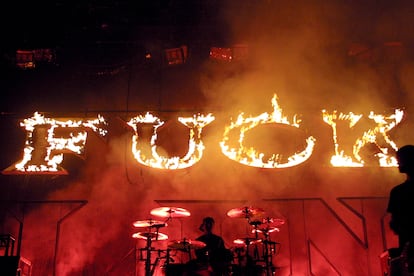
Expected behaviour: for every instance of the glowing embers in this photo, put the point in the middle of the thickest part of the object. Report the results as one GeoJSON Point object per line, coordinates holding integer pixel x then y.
{"type": "Point", "coordinates": [376, 136]}
{"type": "Point", "coordinates": [251, 156]}
{"type": "Point", "coordinates": [153, 159]}
{"type": "Point", "coordinates": [48, 139]}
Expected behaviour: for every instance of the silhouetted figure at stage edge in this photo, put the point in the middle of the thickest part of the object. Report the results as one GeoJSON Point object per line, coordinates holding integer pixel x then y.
{"type": "Point", "coordinates": [214, 255]}
{"type": "Point", "coordinates": [401, 208]}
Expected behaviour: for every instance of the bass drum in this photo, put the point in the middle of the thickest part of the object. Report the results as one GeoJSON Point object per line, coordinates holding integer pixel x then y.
{"type": "Point", "coordinates": [221, 262]}
{"type": "Point", "coordinates": [175, 270]}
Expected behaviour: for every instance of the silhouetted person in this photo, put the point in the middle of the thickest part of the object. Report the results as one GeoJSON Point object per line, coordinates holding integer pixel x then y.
{"type": "Point", "coordinates": [401, 205]}
{"type": "Point", "coordinates": [214, 255]}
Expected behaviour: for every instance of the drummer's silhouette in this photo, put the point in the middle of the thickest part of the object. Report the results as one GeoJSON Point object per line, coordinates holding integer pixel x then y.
{"type": "Point", "coordinates": [214, 256]}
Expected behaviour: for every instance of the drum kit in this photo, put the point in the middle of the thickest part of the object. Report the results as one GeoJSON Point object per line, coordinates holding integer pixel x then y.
{"type": "Point", "coordinates": [259, 262]}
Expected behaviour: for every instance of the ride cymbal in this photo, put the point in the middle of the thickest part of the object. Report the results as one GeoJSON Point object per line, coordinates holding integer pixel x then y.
{"type": "Point", "coordinates": [170, 212]}
{"type": "Point", "coordinates": [244, 212]}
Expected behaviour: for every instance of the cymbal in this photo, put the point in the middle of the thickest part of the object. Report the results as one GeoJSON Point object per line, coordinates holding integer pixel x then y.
{"type": "Point", "coordinates": [186, 244]}
{"type": "Point", "coordinates": [247, 241]}
{"type": "Point", "coordinates": [273, 222]}
{"type": "Point", "coordinates": [265, 230]}
{"type": "Point", "coordinates": [170, 212]}
{"type": "Point", "coordinates": [150, 235]}
{"type": "Point", "coordinates": [244, 212]}
{"type": "Point", "coordinates": [149, 223]}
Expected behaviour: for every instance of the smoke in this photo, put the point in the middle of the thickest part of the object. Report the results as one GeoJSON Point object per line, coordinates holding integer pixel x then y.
{"type": "Point", "coordinates": [300, 51]}
{"type": "Point", "coordinates": [105, 223]}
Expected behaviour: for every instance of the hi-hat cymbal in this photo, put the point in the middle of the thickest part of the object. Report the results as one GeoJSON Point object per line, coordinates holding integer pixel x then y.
{"type": "Point", "coordinates": [265, 230]}
{"type": "Point", "coordinates": [186, 244]}
{"type": "Point", "coordinates": [244, 212]}
{"type": "Point", "coordinates": [170, 212]}
{"type": "Point", "coordinates": [149, 223]}
{"type": "Point", "coordinates": [247, 241]}
{"type": "Point", "coordinates": [154, 236]}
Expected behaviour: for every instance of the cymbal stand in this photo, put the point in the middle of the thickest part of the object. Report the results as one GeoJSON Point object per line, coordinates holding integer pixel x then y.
{"type": "Point", "coordinates": [256, 249]}
{"type": "Point", "coordinates": [148, 257]}
{"type": "Point", "coordinates": [159, 257]}
{"type": "Point", "coordinates": [238, 251]}
{"type": "Point", "coordinates": [168, 258]}
{"type": "Point", "coordinates": [249, 260]}
{"type": "Point", "coordinates": [268, 249]}
{"type": "Point", "coordinates": [149, 271]}
{"type": "Point", "coordinates": [149, 266]}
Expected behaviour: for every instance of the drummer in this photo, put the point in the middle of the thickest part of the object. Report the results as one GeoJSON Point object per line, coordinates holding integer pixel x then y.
{"type": "Point", "coordinates": [214, 255]}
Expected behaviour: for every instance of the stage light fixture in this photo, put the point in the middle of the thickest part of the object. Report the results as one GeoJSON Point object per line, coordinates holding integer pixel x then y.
{"type": "Point", "coordinates": [25, 59]}
{"type": "Point", "coordinates": [237, 52]}
{"type": "Point", "coordinates": [175, 56]}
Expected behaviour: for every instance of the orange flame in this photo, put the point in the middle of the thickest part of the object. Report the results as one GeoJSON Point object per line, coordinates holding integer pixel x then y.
{"type": "Point", "coordinates": [253, 158]}
{"type": "Point", "coordinates": [383, 125]}
{"type": "Point", "coordinates": [195, 144]}
{"type": "Point", "coordinates": [44, 153]}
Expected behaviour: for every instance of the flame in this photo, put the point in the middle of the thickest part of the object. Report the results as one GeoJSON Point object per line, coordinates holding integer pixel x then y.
{"type": "Point", "coordinates": [43, 154]}
{"type": "Point", "coordinates": [195, 144]}
{"type": "Point", "coordinates": [44, 148]}
{"type": "Point", "coordinates": [249, 156]}
{"type": "Point", "coordinates": [383, 125]}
